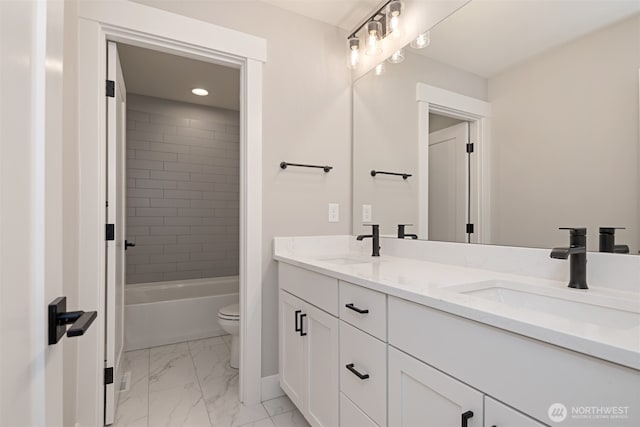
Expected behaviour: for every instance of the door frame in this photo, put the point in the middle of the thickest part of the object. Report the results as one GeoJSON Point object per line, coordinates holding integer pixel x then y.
{"type": "Point", "coordinates": [143, 26]}
{"type": "Point", "coordinates": [478, 113]}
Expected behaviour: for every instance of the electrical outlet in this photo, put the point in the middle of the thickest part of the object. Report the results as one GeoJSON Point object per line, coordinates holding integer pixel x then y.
{"type": "Point", "coordinates": [366, 213]}
{"type": "Point", "coordinates": [334, 212]}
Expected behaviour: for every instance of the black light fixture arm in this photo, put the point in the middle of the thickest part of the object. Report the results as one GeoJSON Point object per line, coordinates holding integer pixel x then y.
{"type": "Point", "coordinates": [284, 165]}
{"type": "Point", "coordinates": [403, 175]}
{"type": "Point", "coordinates": [369, 19]}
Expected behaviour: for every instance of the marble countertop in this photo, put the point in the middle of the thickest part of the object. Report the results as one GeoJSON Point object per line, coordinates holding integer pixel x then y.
{"type": "Point", "coordinates": [429, 284]}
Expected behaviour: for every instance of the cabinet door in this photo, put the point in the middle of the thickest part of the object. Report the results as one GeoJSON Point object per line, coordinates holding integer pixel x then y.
{"type": "Point", "coordinates": [321, 331]}
{"type": "Point", "coordinates": [498, 415]}
{"type": "Point", "coordinates": [420, 396]}
{"type": "Point", "coordinates": [292, 349]}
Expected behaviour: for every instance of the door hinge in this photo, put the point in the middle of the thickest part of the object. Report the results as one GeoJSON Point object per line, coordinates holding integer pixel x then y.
{"type": "Point", "coordinates": [108, 376]}
{"type": "Point", "coordinates": [111, 88]}
{"type": "Point", "coordinates": [470, 147]}
{"type": "Point", "coordinates": [110, 232]}
{"type": "Point", "coordinates": [469, 228]}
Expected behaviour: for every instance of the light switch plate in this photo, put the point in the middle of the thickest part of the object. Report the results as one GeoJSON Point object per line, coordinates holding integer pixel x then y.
{"type": "Point", "coordinates": [334, 212]}
{"type": "Point", "coordinates": [366, 213]}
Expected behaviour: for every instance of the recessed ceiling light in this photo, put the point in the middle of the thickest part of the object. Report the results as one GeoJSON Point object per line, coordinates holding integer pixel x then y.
{"type": "Point", "coordinates": [200, 92]}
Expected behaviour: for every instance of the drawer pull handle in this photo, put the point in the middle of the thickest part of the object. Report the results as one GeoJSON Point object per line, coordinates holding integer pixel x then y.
{"type": "Point", "coordinates": [465, 418]}
{"type": "Point", "coordinates": [356, 309]}
{"type": "Point", "coordinates": [302, 316]}
{"type": "Point", "coordinates": [355, 372]}
{"type": "Point", "coordinates": [297, 326]}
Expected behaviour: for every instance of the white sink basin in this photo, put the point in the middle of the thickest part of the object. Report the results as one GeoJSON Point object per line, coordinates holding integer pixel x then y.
{"type": "Point", "coordinates": [599, 309]}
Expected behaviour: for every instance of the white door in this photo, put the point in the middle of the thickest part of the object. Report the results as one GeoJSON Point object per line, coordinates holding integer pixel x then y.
{"type": "Point", "coordinates": [31, 206]}
{"type": "Point", "coordinates": [448, 183]}
{"type": "Point", "coordinates": [420, 396]}
{"type": "Point", "coordinates": [498, 415]}
{"type": "Point", "coordinates": [116, 215]}
{"type": "Point", "coordinates": [320, 330]}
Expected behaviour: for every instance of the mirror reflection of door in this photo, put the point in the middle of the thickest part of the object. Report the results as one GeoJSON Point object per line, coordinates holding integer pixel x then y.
{"type": "Point", "coordinates": [449, 174]}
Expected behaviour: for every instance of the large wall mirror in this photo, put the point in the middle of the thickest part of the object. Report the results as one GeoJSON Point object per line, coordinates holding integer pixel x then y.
{"type": "Point", "coordinates": [515, 119]}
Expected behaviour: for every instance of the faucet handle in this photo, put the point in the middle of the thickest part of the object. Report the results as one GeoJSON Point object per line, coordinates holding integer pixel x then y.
{"type": "Point", "coordinates": [575, 231]}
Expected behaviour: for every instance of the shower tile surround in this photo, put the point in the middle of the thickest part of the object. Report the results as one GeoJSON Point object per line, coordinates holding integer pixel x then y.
{"type": "Point", "coordinates": [192, 384]}
{"type": "Point", "coordinates": [182, 190]}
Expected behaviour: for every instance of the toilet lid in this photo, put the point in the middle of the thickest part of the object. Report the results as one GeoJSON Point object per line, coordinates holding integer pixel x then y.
{"type": "Point", "coordinates": [230, 312]}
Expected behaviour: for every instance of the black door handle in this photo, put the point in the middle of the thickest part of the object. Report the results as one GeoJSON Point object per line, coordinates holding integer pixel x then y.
{"type": "Point", "coordinates": [356, 373]}
{"type": "Point", "coordinates": [296, 314]}
{"type": "Point", "coordinates": [128, 245]}
{"type": "Point", "coordinates": [356, 309]}
{"type": "Point", "coordinates": [59, 318]}
{"type": "Point", "coordinates": [302, 333]}
{"type": "Point", "coordinates": [465, 418]}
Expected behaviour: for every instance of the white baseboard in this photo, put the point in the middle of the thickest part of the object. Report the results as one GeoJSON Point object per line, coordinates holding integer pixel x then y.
{"type": "Point", "coordinates": [271, 387]}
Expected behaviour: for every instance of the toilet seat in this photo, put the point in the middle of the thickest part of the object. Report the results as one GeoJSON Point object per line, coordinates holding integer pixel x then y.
{"type": "Point", "coordinates": [230, 312]}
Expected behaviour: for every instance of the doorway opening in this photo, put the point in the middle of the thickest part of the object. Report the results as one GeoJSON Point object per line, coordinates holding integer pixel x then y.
{"type": "Point", "coordinates": [173, 275]}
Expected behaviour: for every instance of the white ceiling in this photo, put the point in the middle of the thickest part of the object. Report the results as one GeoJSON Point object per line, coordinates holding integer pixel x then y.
{"type": "Point", "coordinates": [345, 14]}
{"type": "Point", "coordinates": [158, 74]}
{"type": "Point", "coordinates": [487, 36]}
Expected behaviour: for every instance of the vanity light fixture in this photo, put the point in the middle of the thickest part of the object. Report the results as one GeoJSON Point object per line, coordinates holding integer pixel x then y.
{"type": "Point", "coordinates": [383, 23]}
{"type": "Point", "coordinates": [354, 51]}
{"type": "Point", "coordinates": [393, 14]}
{"type": "Point", "coordinates": [199, 91]}
{"type": "Point", "coordinates": [397, 57]}
{"type": "Point", "coordinates": [374, 36]}
{"type": "Point", "coordinates": [423, 40]}
{"type": "Point", "coordinates": [380, 69]}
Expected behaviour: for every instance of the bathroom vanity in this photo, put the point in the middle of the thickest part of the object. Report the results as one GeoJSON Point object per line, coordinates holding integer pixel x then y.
{"type": "Point", "coordinates": [401, 340]}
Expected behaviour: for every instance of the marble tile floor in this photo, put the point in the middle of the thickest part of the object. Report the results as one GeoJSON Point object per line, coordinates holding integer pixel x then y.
{"type": "Point", "coordinates": [192, 384]}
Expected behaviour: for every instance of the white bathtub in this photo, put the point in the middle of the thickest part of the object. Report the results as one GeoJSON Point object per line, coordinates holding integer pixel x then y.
{"type": "Point", "coordinates": [163, 313]}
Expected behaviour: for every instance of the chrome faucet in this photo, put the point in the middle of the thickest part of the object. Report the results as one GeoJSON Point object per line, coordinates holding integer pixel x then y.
{"type": "Point", "coordinates": [577, 252]}
{"type": "Point", "coordinates": [402, 234]}
{"type": "Point", "coordinates": [375, 238]}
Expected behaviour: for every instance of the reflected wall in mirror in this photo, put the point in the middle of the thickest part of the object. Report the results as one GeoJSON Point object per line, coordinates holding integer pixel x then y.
{"type": "Point", "coordinates": [548, 94]}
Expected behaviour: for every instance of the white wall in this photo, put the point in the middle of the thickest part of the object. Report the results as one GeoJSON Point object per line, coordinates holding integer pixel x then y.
{"type": "Point", "coordinates": [306, 119]}
{"type": "Point", "coordinates": [385, 136]}
{"type": "Point", "coordinates": [573, 161]}
{"type": "Point", "coordinates": [182, 190]}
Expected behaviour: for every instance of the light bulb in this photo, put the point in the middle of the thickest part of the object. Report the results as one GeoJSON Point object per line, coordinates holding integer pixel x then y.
{"type": "Point", "coordinates": [374, 28]}
{"type": "Point", "coordinates": [395, 9]}
{"type": "Point", "coordinates": [423, 40]}
{"type": "Point", "coordinates": [397, 57]}
{"type": "Point", "coordinates": [200, 92]}
{"type": "Point", "coordinates": [354, 52]}
{"type": "Point", "coordinates": [380, 69]}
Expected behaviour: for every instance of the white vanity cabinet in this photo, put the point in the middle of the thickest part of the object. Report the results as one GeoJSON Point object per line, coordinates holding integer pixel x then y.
{"type": "Point", "coordinates": [309, 357]}
{"type": "Point", "coordinates": [420, 395]}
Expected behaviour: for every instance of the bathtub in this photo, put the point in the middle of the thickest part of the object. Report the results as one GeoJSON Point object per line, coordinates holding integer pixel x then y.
{"type": "Point", "coordinates": [161, 313]}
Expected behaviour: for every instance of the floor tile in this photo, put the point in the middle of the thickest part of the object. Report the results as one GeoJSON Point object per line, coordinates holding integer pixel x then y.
{"type": "Point", "coordinates": [211, 359]}
{"type": "Point", "coordinates": [227, 340]}
{"type": "Point", "coordinates": [170, 366]}
{"type": "Point", "coordinates": [225, 410]}
{"type": "Point", "coordinates": [278, 405]}
{"type": "Point", "coordinates": [133, 403]}
{"type": "Point", "coordinates": [290, 419]}
{"type": "Point", "coordinates": [179, 406]}
{"type": "Point", "coordinates": [266, 422]}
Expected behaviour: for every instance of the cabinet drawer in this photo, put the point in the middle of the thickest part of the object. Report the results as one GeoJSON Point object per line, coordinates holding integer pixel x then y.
{"type": "Point", "coordinates": [364, 355]}
{"type": "Point", "coordinates": [352, 416]}
{"type": "Point", "coordinates": [498, 415]}
{"type": "Point", "coordinates": [317, 289]}
{"type": "Point", "coordinates": [354, 299]}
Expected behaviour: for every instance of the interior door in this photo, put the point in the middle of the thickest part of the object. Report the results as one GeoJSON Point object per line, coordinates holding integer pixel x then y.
{"type": "Point", "coordinates": [116, 215]}
{"type": "Point", "coordinates": [31, 207]}
{"type": "Point", "coordinates": [448, 184]}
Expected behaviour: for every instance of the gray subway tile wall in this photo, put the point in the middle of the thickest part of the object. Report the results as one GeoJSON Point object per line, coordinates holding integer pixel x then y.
{"type": "Point", "coordinates": [182, 190]}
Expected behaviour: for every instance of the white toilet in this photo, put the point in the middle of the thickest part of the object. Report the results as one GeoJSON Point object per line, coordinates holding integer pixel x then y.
{"type": "Point", "coordinates": [229, 320]}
